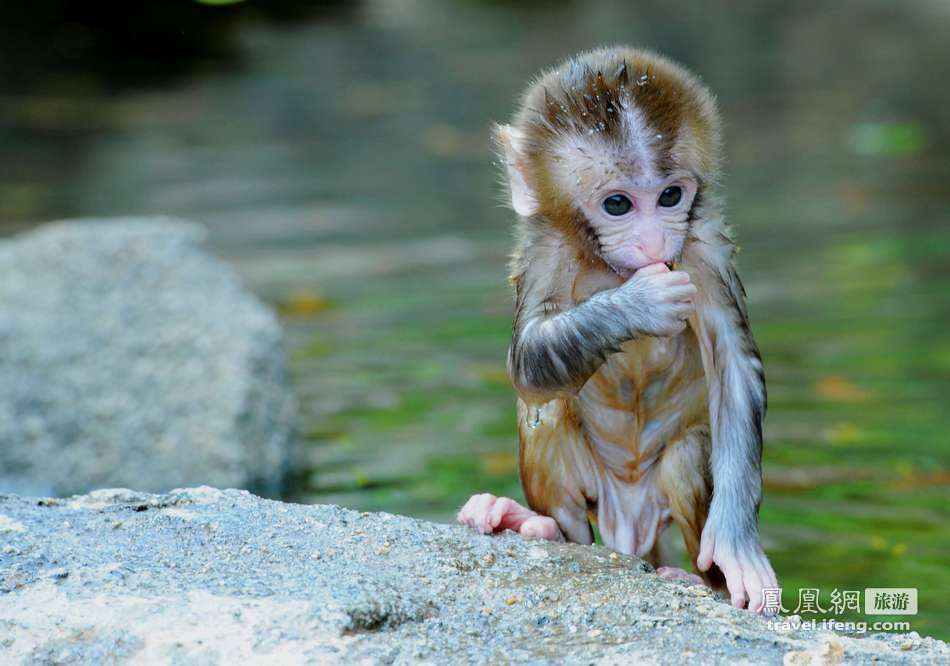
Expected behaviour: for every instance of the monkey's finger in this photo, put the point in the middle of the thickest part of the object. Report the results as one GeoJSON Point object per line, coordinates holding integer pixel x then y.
{"type": "Point", "coordinates": [668, 279]}
{"type": "Point", "coordinates": [735, 584]}
{"type": "Point", "coordinates": [707, 547]}
{"type": "Point", "coordinates": [753, 585]}
{"type": "Point", "coordinates": [766, 573]}
{"type": "Point", "coordinates": [768, 582]}
{"type": "Point", "coordinates": [681, 292]}
{"type": "Point", "coordinates": [733, 573]}
{"type": "Point", "coordinates": [678, 277]}
{"type": "Point", "coordinates": [652, 269]}
{"type": "Point", "coordinates": [756, 560]}
{"type": "Point", "coordinates": [681, 311]}
{"type": "Point", "coordinates": [670, 326]}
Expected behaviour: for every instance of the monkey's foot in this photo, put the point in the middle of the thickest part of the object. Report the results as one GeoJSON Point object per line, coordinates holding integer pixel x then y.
{"type": "Point", "coordinates": [489, 514]}
{"type": "Point", "coordinates": [675, 573]}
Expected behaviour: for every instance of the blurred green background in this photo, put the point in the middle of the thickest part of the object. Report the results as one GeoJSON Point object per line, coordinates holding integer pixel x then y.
{"type": "Point", "coordinates": [339, 154]}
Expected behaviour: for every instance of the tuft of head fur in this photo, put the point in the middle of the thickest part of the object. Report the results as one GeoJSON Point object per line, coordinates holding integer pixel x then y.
{"type": "Point", "coordinates": [621, 110]}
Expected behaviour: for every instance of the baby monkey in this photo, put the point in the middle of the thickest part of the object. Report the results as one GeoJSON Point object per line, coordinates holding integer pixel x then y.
{"type": "Point", "coordinates": [640, 387]}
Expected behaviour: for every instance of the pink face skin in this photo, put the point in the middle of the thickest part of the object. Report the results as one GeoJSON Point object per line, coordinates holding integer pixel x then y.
{"type": "Point", "coordinates": [649, 232]}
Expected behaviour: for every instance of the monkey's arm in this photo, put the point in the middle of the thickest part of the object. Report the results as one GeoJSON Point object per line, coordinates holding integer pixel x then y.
{"type": "Point", "coordinates": [555, 348]}
{"type": "Point", "coordinates": [737, 402]}
{"type": "Point", "coordinates": [557, 345]}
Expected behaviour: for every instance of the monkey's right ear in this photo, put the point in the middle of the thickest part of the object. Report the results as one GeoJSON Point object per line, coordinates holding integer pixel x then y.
{"type": "Point", "coordinates": [511, 141]}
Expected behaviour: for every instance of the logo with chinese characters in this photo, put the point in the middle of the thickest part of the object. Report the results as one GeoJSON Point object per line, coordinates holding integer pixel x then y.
{"type": "Point", "coordinates": [890, 601]}
{"type": "Point", "coordinates": [877, 601]}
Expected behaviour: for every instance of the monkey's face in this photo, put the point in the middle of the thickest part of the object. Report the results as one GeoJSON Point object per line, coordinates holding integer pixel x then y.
{"type": "Point", "coordinates": [633, 198]}
{"type": "Point", "coordinates": [642, 222]}
{"type": "Point", "coordinates": [611, 149]}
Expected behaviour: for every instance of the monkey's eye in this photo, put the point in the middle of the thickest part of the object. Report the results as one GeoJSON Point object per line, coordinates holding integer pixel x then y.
{"type": "Point", "coordinates": [670, 196]}
{"type": "Point", "coordinates": [617, 205]}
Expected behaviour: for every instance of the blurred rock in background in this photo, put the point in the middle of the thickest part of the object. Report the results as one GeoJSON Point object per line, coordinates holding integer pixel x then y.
{"type": "Point", "coordinates": [130, 357]}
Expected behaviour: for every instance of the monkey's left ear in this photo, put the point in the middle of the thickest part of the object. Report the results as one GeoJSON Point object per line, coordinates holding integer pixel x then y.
{"type": "Point", "coordinates": [511, 141]}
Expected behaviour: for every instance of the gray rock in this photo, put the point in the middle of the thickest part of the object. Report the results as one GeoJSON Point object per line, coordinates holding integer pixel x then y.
{"type": "Point", "coordinates": [209, 576]}
{"type": "Point", "coordinates": [129, 356]}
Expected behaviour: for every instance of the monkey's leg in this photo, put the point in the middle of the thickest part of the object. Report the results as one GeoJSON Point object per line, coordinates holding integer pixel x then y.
{"type": "Point", "coordinates": [554, 462]}
{"type": "Point", "coordinates": [684, 479]}
{"type": "Point", "coordinates": [556, 468]}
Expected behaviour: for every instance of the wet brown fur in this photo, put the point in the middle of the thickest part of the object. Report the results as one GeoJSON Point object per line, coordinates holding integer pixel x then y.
{"type": "Point", "coordinates": [557, 457]}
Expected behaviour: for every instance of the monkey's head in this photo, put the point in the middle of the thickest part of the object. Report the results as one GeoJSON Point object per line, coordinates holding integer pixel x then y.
{"type": "Point", "coordinates": [614, 148]}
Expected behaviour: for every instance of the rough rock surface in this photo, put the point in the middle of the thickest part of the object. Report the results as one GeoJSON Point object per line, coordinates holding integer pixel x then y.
{"type": "Point", "coordinates": [207, 576]}
{"type": "Point", "coordinates": [130, 357]}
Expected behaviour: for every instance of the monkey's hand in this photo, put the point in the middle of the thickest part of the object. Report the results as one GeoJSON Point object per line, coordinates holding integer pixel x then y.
{"type": "Point", "coordinates": [742, 561]}
{"type": "Point", "coordinates": [658, 300]}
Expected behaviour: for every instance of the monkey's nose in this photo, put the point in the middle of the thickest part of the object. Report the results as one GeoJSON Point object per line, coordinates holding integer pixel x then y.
{"type": "Point", "coordinates": [651, 244]}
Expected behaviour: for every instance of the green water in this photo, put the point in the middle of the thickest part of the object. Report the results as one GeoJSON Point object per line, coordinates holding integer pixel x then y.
{"type": "Point", "coordinates": [342, 163]}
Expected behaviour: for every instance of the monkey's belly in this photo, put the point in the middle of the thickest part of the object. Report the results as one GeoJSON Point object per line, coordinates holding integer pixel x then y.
{"type": "Point", "coordinates": [640, 400]}
{"type": "Point", "coordinates": [595, 455]}
{"type": "Point", "coordinates": [638, 403]}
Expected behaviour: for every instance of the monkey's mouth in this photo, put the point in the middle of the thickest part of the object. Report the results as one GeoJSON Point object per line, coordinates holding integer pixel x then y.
{"type": "Point", "coordinates": [627, 273]}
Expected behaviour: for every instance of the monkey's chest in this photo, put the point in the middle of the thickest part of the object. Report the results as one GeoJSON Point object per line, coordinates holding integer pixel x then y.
{"type": "Point", "coordinates": [642, 399]}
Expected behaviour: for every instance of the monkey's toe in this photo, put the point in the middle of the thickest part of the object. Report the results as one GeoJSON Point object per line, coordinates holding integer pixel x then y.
{"type": "Point", "coordinates": [476, 512]}
{"type": "Point", "coordinates": [675, 573]}
{"type": "Point", "coordinates": [541, 527]}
